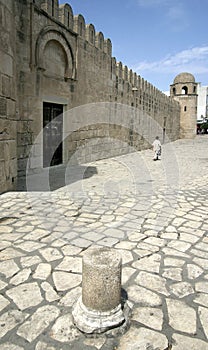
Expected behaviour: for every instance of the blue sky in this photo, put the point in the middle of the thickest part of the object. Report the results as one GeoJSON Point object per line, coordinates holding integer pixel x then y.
{"type": "Point", "coordinates": [157, 39]}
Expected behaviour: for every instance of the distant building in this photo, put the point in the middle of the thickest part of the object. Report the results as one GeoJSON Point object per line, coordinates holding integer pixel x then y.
{"type": "Point", "coordinates": [202, 104]}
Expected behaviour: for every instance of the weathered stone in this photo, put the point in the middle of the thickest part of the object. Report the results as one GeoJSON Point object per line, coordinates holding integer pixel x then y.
{"type": "Point", "coordinates": [151, 263]}
{"type": "Point", "coordinates": [201, 299]}
{"type": "Point", "coordinates": [39, 321]}
{"type": "Point", "coordinates": [143, 339]}
{"type": "Point", "coordinates": [174, 274]}
{"type": "Point", "coordinates": [146, 246]}
{"type": "Point", "coordinates": [155, 241]}
{"type": "Point", "coordinates": [97, 343]}
{"type": "Point", "coordinates": [182, 317]}
{"type": "Point", "coordinates": [193, 271]}
{"type": "Point", "coordinates": [125, 245]}
{"type": "Point", "coordinates": [173, 252]}
{"type": "Point", "coordinates": [21, 277]}
{"type": "Point", "coordinates": [143, 296]}
{"type": "Point", "coordinates": [65, 280]}
{"type": "Point", "coordinates": [50, 293]}
{"type": "Point", "coordinates": [153, 282]}
{"type": "Point", "coordinates": [10, 253]}
{"type": "Point", "coordinates": [181, 289]}
{"type": "Point", "coordinates": [25, 295]}
{"type": "Point", "coordinates": [148, 316]}
{"type": "Point", "coordinates": [42, 271]}
{"type": "Point", "coordinates": [2, 285]}
{"type": "Point", "coordinates": [127, 272]}
{"type": "Point", "coordinates": [202, 287]}
{"type": "Point", "coordinates": [51, 254]}
{"type": "Point", "coordinates": [180, 342]}
{"type": "Point", "coordinates": [108, 241]}
{"type": "Point", "coordinates": [10, 346]}
{"type": "Point", "coordinates": [173, 262]}
{"type": "Point", "coordinates": [203, 315]}
{"type": "Point", "coordinates": [81, 242]}
{"type": "Point", "coordinates": [30, 246]}
{"type": "Point", "coordinates": [179, 245]}
{"type": "Point", "coordinates": [4, 244]}
{"type": "Point", "coordinates": [43, 346]}
{"type": "Point", "coordinates": [71, 297]}
{"type": "Point", "coordinates": [8, 268]}
{"type": "Point", "coordinates": [201, 262]}
{"type": "Point", "coordinates": [71, 250]}
{"type": "Point", "coordinates": [70, 264]}
{"type": "Point", "coordinates": [126, 255]}
{"type": "Point", "coordinates": [10, 320]}
{"type": "Point", "coordinates": [3, 302]}
{"type": "Point", "coordinates": [64, 329]}
{"type": "Point", "coordinates": [30, 260]}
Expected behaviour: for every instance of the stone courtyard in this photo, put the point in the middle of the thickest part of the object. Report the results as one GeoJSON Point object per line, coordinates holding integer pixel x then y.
{"type": "Point", "coordinates": [154, 213]}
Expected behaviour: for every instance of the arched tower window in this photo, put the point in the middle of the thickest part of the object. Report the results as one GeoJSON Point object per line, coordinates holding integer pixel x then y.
{"type": "Point", "coordinates": [185, 108]}
{"type": "Point", "coordinates": [174, 91]}
{"type": "Point", "coordinates": [184, 90]}
{"type": "Point", "coordinates": [194, 89]}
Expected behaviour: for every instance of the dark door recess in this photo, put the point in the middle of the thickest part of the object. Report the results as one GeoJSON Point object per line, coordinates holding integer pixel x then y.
{"type": "Point", "coordinates": [52, 134]}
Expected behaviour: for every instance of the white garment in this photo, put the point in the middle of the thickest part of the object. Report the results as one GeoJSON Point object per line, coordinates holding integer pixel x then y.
{"type": "Point", "coordinates": [157, 149]}
{"type": "Point", "coordinates": [156, 145]}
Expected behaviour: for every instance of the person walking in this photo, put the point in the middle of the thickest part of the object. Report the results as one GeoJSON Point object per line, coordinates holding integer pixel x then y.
{"type": "Point", "coordinates": [157, 148]}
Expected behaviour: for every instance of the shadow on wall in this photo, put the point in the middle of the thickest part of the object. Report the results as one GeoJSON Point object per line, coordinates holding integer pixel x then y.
{"type": "Point", "coordinates": [59, 176]}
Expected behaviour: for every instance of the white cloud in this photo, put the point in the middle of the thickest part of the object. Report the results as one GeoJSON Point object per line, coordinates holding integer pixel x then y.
{"type": "Point", "coordinates": [194, 60]}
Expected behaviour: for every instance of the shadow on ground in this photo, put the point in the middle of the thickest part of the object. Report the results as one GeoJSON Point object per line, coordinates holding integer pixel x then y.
{"type": "Point", "coordinates": [53, 178]}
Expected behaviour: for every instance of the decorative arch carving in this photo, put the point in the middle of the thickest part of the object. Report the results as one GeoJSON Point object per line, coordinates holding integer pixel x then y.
{"type": "Point", "coordinates": [51, 35]}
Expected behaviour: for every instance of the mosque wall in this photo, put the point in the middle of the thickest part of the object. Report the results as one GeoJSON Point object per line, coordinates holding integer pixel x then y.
{"type": "Point", "coordinates": [59, 69]}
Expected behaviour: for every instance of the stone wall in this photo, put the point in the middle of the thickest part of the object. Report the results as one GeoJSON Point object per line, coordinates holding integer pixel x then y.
{"type": "Point", "coordinates": [62, 60]}
{"type": "Point", "coordinates": [8, 116]}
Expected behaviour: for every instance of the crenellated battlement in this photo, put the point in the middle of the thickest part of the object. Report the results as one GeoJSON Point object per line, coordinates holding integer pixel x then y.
{"type": "Point", "coordinates": [64, 14]}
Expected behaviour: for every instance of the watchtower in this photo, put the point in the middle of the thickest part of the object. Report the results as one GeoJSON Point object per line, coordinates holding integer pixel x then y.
{"type": "Point", "coordinates": [184, 90]}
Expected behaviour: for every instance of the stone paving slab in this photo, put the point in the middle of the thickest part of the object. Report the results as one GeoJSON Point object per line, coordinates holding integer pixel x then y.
{"type": "Point", "coordinates": [154, 213]}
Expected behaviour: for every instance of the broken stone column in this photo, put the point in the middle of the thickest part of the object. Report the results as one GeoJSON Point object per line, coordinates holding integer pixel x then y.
{"type": "Point", "coordinates": [99, 307]}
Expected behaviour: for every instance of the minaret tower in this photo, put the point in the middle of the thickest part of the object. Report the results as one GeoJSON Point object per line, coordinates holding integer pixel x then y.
{"type": "Point", "coordinates": [184, 90]}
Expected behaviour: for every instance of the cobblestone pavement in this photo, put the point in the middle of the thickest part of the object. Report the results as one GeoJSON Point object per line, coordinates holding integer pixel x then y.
{"type": "Point", "coordinates": [154, 213]}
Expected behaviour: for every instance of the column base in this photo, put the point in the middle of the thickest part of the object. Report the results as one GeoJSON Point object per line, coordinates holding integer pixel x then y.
{"type": "Point", "coordinates": [93, 321]}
